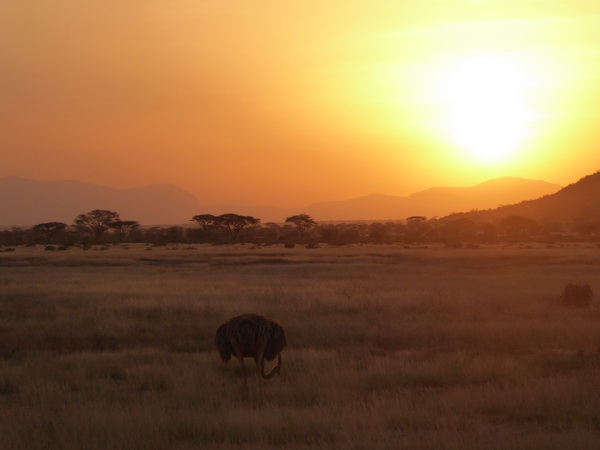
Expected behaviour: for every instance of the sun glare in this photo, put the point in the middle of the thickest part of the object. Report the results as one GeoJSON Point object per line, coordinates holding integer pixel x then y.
{"type": "Point", "coordinates": [484, 107]}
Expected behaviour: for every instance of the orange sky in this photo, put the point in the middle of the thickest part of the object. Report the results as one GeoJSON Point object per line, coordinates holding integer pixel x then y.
{"type": "Point", "coordinates": [287, 102]}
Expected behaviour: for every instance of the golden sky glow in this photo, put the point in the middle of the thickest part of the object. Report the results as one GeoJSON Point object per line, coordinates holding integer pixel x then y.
{"type": "Point", "coordinates": [288, 103]}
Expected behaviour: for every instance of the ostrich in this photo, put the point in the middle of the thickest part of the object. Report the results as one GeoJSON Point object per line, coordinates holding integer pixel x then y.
{"type": "Point", "coordinates": [251, 335]}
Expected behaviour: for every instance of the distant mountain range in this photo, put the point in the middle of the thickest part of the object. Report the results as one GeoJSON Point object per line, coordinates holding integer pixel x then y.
{"type": "Point", "coordinates": [437, 201]}
{"type": "Point", "coordinates": [25, 202]}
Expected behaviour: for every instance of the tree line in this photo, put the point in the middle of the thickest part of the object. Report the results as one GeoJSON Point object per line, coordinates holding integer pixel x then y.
{"type": "Point", "coordinates": [106, 227]}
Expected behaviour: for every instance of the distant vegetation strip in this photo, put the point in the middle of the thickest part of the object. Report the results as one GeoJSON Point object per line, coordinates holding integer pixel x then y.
{"type": "Point", "coordinates": [103, 227]}
{"type": "Point", "coordinates": [571, 214]}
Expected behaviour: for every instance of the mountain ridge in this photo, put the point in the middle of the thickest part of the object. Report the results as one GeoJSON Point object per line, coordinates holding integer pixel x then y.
{"type": "Point", "coordinates": [432, 202]}
{"type": "Point", "coordinates": [28, 202]}
{"type": "Point", "coordinates": [25, 202]}
{"type": "Point", "coordinates": [577, 201]}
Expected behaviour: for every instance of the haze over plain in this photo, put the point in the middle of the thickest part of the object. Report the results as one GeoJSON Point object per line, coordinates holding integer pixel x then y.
{"type": "Point", "coordinates": [29, 202]}
{"type": "Point", "coordinates": [292, 103]}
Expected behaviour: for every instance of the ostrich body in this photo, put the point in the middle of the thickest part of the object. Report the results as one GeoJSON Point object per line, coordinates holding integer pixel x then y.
{"type": "Point", "coordinates": [251, 335]}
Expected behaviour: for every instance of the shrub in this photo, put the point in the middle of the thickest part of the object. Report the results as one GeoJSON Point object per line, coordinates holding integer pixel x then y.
{"type": "Point", "coordinates": [577, 295]}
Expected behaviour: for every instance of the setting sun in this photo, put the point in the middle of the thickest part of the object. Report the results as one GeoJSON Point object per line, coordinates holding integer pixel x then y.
{"type": "Point", "coordinates": [484, 108]}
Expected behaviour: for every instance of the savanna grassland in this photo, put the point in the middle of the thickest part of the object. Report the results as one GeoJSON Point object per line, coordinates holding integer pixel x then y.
{"type": "Point", "coordinates": [388, 348]}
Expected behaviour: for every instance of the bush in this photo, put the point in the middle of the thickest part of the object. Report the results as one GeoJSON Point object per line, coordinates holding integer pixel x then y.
{"type": "Point", "coordinates": [577, 295]}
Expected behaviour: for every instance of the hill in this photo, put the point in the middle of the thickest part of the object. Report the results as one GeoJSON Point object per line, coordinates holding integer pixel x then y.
{"type": "Point", "coordinates": [572, 203]}
{"type": "Point", "coordinates": [26, 202]}
{"type": "Point", "coordinates": [437, 201]}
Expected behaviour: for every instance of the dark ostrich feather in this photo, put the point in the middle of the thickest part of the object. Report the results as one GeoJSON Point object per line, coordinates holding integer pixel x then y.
{"type": "Point", "coordinates": [251, 335]}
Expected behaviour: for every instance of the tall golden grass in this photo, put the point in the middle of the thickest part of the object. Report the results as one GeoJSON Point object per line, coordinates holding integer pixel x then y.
{"type": "Point", "coordinates": [387, 348]}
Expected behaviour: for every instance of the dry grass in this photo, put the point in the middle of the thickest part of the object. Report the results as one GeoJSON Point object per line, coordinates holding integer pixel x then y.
{"type": "Point", "coordinates": [387, 348]}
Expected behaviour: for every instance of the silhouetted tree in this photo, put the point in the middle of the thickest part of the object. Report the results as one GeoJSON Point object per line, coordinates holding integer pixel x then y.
{"type": "Point", "coordinates": [96, 222]}
{"type": "Point", "coordinates": [518, 227]}
{"type": "Point", "coordinates": [489, 232]}
{"type": "Point", "coordinates": [50, 229]}
{"type": "Point", "coordinates": [378, 233]}
{"type": "Point", "coordinates": [272, 231]}
{"type": "Point", "coordinates": [303, 223]}
{"type": "Point", "coordinates": [208, 224]}
{"type": "Point", "coordinates": [234, 223]}
{"type": "Point", "coordinates": [416, 227]}
{"type": "Point", "coordinates": [453, 232]}
{"type": "Point", "coordinates": [124, 228]}
{"type": "Point", "coordinates": [416, 219]}
{"type": "Point", "coordinates": [396, 230]}
{"type": "Point", "coordinates": [17, 236]}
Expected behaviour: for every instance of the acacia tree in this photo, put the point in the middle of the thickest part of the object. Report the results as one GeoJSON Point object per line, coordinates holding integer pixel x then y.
{"type": "Point", "coordinates": [303, 223]}
{"type": "Point", "coordinates": [234, 223]}
{"type": "Point", "coordinates": [416, 226]}
{"type": "Point", "coordinates": [208, 223]}
{"type": "Point", "coordinates": [96, 222]}
{"type": "Point", "coordinates": [124, 228]}
{"type": "Point", "coordinates": [50, 229]}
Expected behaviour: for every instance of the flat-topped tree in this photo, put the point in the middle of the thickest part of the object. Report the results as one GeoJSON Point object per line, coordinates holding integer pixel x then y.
{"type": "Point", "coordinates": [207, 222]}
{"type": "Point", "coordinates": [303, 223]}
{"type": "Point", "coordinates": [50, 229]}
{"type": "Point", "coordinates": [96, 222]}
{"type": "Point", "coordinates": [235, 223]}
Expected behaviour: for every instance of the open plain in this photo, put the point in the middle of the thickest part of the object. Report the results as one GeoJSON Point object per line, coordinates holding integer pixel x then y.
{"type": "Point", "coordinates": [388, 347]}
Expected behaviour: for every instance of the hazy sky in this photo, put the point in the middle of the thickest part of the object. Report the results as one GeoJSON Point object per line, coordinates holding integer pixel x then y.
{"type": "Point", "coordinates": [290, 102]}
